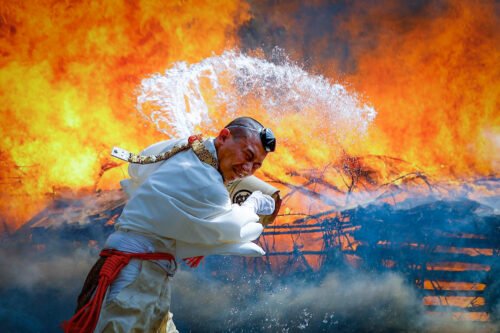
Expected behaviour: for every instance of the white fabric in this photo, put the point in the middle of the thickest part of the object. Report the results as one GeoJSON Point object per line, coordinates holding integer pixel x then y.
{"type": "Point", "coordinates": [141, 306]}
{"type": "Point", "coordinates": [262, 204]}
{"type": "Point", "coordinates": [184, 199]}
{"type": "Point", "coordinates": [135, 243]}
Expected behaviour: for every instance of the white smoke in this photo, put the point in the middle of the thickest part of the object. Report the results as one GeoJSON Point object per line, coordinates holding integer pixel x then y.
{"type": "Point", "coordinates": [25, 270]}
{"type": "Point", "coordinates": [347, 301]}
{"type": "Point", "coordinates": [351, 301]}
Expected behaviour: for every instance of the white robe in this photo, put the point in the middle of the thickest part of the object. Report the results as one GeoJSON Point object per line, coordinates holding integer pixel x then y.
{"type": "Point", "coordinates": [185, 199]}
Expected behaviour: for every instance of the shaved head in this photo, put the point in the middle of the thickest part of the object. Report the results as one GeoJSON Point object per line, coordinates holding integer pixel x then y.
{"type": "Point", "coordinates": [243, 126]}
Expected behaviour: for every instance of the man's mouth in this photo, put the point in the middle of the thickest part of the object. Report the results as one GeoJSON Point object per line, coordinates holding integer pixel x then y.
{"type": "Point", "coordinates": [239, 173]}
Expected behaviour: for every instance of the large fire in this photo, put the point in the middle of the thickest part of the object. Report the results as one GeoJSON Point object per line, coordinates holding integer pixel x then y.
{"type": "Point", "coordinates": [70, 73]}
{"type": "Point", "coordinates": [430, 69]}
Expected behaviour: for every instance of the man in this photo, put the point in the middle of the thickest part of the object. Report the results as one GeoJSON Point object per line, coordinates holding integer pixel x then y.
{"type": "Point", "coordinates": [177, 208]}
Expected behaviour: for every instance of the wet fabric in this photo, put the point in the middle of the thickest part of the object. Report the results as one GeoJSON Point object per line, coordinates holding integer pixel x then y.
{"type": "Point", "coordinates": [185, 199]}
{"type": "Point", "coordinates": [135, 243]}
{"type": "Point", "coordinates": [86, 317]}
{"type": "Point", "coordinates": [180, 205]}
{"type": "Point", "coordinates": [141, 306]}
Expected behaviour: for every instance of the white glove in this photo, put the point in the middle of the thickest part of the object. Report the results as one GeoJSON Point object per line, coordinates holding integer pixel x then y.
{"type": "Point", "coordinates": [262, 204]}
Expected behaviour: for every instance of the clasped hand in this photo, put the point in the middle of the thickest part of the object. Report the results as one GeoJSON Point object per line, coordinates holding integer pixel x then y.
{"type": "Point", "coordinates": [262, 204]}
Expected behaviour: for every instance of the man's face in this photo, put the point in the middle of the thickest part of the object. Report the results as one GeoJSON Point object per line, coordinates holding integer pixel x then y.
{"type": "Point", "coordinates": [240, 157]}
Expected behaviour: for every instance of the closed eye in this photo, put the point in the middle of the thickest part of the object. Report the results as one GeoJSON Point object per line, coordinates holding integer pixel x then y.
{"type": "Point", "coordinates": [249, 155]}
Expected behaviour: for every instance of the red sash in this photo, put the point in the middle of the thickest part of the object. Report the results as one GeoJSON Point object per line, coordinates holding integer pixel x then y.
{"type": "Point", "coordinates": [85, 320]}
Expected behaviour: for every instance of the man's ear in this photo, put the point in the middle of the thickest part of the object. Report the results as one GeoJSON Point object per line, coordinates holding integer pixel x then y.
{"type": "Point", "coordinates": [224, 134]}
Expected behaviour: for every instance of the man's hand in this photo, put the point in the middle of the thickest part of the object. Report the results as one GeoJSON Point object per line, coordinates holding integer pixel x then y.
{"type": "Point", "coordinates": [262, 204]}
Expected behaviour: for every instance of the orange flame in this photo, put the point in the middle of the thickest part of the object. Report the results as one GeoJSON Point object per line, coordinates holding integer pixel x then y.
{"type": "Point", "coordinates": [430, 70]}
{"type": "Point", "coordinates": [436, 88]}
{"type": "Point", "coordinates": [68, 75]}
{"type": "Point", "coordinates": [69, 72]}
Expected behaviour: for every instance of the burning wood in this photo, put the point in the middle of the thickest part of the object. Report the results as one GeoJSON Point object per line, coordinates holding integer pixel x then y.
{"type": "Point", "coordinates": [446, 246]}
{"type": "Point", "coordinates": [430, 69]}
{"type": "Point", "coordinates": [374, 212]}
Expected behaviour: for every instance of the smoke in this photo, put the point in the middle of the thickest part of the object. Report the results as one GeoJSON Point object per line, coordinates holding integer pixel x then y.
{"type": "Point", "coordinates": [330, 35]}
{"type": "Point", "coordinates": [350, 301]}
{"type": "Point", "coordinates": [41, 275]}
{"type": "Point", "coordinates": [43, 269]}
{"type": "Point", "coordinates": [337, 301]}
{"type": "Point", "coordinates": [38, 288]}
{"type": "Point", "coordinates": [35, 271]}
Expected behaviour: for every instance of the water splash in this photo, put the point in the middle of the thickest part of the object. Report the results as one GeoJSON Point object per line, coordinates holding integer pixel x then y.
{"type": "Point", "coordinates": [177, 102]}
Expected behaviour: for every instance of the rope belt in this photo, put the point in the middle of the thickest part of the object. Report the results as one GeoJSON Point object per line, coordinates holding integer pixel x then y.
{"type": "Point", "coordinates": [85, 319]}
{"type": "Point", "coordinates": [195, 142]}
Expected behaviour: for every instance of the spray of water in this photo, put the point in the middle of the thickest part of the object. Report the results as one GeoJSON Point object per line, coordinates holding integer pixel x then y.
{"type": "Point", "coordinates": [177, 102]}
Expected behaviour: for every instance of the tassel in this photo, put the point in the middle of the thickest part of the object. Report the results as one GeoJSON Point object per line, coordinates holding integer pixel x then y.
{"type": "Point", "coordinates": [193, 261]}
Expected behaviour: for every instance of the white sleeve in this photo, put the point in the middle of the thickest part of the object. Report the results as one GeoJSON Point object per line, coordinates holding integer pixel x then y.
{"type": "Point", "coordinates": [249, 249]}
{"type": "Point", "coordinates": [140, 172]}
{"type": "Point", "coordinates": [188, 219]}
{"type": "Point", "coordinates": [240, 224]}
{"type": "Point", "coordinates": [186, 200]}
